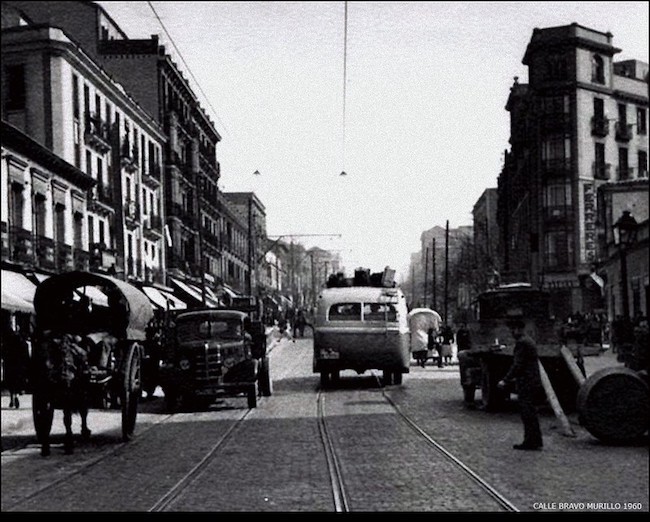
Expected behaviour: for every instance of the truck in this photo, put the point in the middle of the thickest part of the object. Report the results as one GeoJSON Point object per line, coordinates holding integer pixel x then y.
{"type": "Point", "coordinates": [491, 352]}
{"type": "Point", "coordinates": [216, 352]}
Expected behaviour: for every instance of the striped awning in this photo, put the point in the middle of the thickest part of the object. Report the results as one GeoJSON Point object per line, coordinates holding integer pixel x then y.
{"type": "Point", "coordinates": [17, 292]}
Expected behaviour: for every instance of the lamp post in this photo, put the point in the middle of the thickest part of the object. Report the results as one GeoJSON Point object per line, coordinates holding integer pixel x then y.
{"type": "Point", "coordinates": [625, 230]}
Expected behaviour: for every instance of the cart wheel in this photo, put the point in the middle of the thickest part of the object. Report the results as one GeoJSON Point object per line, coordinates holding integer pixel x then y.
{"type": "Point", "coordinates": [493, 398]}
{"type": "Point", "coordinates": [252, 396]}
{"type": "Point", "coordinates": [171, 399]}
{"type": "Point", "coordinates": [266, 385]}
{"type": "Point", "coordinates": [131, 390]}
{"type": "Point", "coordinates": [42, 413]}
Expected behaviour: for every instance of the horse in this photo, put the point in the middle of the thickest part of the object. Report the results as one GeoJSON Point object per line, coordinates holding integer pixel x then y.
{"type": "Point", "coordinates": [61, 381]}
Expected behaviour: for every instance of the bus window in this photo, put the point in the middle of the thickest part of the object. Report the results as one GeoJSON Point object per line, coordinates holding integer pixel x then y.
{"type": "Point", "coordinates": [345, 312]}
{"type": "Point", "coordinates": [379, 312]}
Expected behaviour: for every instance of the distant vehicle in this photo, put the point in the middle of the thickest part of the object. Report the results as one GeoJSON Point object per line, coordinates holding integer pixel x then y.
{"type": "Point", "coordinates": [360, 328]}
{"type": "Point", "coordinates": [212, 353]}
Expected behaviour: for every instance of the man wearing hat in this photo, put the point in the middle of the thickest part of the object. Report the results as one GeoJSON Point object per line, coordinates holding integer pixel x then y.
{"type": "Point", "coordinates": [524, 373]}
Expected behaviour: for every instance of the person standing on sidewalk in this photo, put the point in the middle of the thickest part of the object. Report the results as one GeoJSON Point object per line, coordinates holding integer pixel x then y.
{"type": "Point", "coordinates": [524, 373]}
{"type": "Point", "coordinates": [15, 358]}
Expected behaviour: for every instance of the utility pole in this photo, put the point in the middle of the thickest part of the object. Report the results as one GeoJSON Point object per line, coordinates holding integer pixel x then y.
{"type": "Point", "coordinates": [433, 271]}
{"type": "Point", "coordinates": [426, 276]}
{"type": "Point", "coordinates": [412, 287]}
{"type": "Point", "coordinates": [446, 271]}
{"type": "Point", "coordinates": [249, 275]}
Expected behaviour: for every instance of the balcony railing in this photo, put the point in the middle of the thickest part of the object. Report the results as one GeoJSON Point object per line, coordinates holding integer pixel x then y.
{"type": "Point", "coordinates": [558, 213]}
{"type": "Point", "coordinates": [152, 226]}
{"type": "Point", "coordinates": [599, 126]}
{"type": "Point", "coordinates": [81, 259]}
{"type": "Point", "coordinates": [21, 245]}
{"type": "Point", "coordinates": [623, 131]}
{"type": "Point", "coordinates": [130, 155]}
{"type": "Point", "coordinates": [45, 252]}
{"type": "Point", "coordinates": [64, 260]}
{"type": "Point", "coordinates": [102, 257]}
{"type": "Point", "coordinates": [98, 133]}
{"type": "Point", "coordinates": [132, 211]}
{"type": "Point", "coordinates": [186, 215]}
{"type": "Point", "coordinates": [601, 170]}
{"type": "Point", "coordinates": [623, 173]}
{"type": "Point", "coordinates": [4, 231]}
{"type": "Point", "coordinates": [557, 168]}
{"type": "Point", "coordinates": [211, 238]}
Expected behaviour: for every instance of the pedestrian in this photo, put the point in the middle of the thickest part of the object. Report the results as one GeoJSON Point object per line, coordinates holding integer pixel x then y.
{"type": "Point", "coordinates": [447, 340]}
{"type": "Point", "coordinates": [299, 324]}
{"type": "Point", "coordinates": [15, 359]}
{"type": "Point", "coordinates": [524, 374]}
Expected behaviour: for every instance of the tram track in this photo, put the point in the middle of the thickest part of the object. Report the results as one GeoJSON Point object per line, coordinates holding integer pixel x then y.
{"type": "Point", "coordinates": [340, 492]}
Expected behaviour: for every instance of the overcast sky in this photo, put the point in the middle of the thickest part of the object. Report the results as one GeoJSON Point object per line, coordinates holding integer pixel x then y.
{"type": "Point", "coordinates": [425, 125]}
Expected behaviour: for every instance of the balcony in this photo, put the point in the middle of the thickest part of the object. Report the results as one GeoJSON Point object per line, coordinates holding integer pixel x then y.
{"type": "Point", "coordinates": [209, 237]}
{"type": "Point", "coordinates": [81, 259]}
{"type": "Point", "coordinates": [557, 168]}
{"type": "Point", "coordinates": [558, 214]}
{"type": "Point", "coordinates": [601, 170]}
{"type": "Point", "coordinates": [152, 227]}
{"type": "Point", "coordinates": [5, 240]}
{"type": "Point", "coordinates": [555, 123]}
{"type": "Point", "coordinates": [129, 155]}
{"type": "Point", "coordinates": [64, 261]}
{"type": "Point", "coordinates": [623, 131]}
{"type": "Point", "coordinates": [623, 173]}
{"type": "Point", "coordinates": [185, 215]}
{"type": "Point", "coordinates": [102, 258]}
{"type": "Point", "coordinates": [131, 213]}
{"type": "Point", "coordinates": [45, 252]}
{"type": "Point", "coordinates": [98, 133]}
{"type": "Point", "coordinates": [599, 126]}
{"type": "Point", "coordinates": [21, 245]}
{"type": "Point", "coordinates": [152, 176]}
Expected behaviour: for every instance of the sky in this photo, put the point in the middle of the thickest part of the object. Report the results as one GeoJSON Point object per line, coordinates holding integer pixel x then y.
{"type": "Point", "coordinates": [408, 98]}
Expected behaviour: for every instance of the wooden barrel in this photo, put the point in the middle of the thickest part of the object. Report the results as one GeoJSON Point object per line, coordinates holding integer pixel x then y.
{"type": "Point", "coordinates": [613, 405]}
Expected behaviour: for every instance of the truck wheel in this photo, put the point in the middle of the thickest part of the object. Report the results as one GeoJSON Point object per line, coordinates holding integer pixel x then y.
{"type": "Point", "coordinates": [265, 383]}
{"type": "Point", "coordinates": [252, 396]}
{"type": "Point", "coordinates": [397, 377]}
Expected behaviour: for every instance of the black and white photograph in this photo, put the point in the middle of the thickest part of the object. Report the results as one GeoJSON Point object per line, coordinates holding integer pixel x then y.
{"type": "Point", "coordinates": [325, 257]}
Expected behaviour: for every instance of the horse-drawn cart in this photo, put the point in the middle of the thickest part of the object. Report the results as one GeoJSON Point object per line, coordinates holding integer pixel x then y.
{"type": "Point", "coordinates": [88, 349]}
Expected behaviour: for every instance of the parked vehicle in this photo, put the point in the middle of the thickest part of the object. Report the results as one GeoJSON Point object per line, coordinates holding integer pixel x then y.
{"type": "Point", "coordinates": [360, 328]}
{"type": "Point", "coordinates": [490, 356]}
{"type": "Point", "coordinates": [213, 353]}
{"type": "Point", "coordinates": [87, 350]}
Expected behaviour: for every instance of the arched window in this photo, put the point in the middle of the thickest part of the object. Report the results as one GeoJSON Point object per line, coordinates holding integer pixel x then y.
{"type": "Point", "coordinates": [597, 69]}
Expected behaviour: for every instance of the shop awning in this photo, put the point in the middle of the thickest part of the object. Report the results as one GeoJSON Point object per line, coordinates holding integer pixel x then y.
{"type": "Point", "coordinates": [163, 300]}
{"type": "Point", "coordinates": [228, 291]}
{"type": "Point", "coordinates": [194, 292]}
{"type": "Point", "coordinates": [17, 292]}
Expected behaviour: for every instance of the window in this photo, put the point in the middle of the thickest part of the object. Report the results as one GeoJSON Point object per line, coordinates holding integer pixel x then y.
{"type": "Point", "coordinates": [98, 106]}
{"type": "Point", "coordinates": [622, 114]}
{"type": "Point", "coordinates": [91, 230]}
{"type": "Point", "coordinates": [597, 69]}
{"type": "Point", "coordinates": [77, 230]}
{"type": "Point", "coordinates": [599, 108]}
{"type": "Point", "coordinates": [379, 312]}
{"type": "Point", "coordinates": [39, 214]}
{"type": "Point", "coordinates": [643, 163]}
{"type": "Point", "coordinates": [102, 232]}
{"type": "Point", "coordinates": [641, 124]}
{"type": "Point", "coordinates": [15, 100]}
{"type": "Point", "coordinates": [86, 99]}
{"type": "Point", "coordinates": [623, 166]}
{"type": "Point", "coordinates": [558, 249]}
{"type": "Point", "coordinates": [59, 223]}
{"type": "Point", "coordinates": [558, 195]}
{"type": "Point", "coordinates": [556, 68]}
{"type": "Point", "coordinates": [89, 164]}
{"type": "Point", "coordinates": [75, 96]}
{"type": "Point", "coordinates": [100, 170]}
{"type": "Point", "coordinates": [345, 312]}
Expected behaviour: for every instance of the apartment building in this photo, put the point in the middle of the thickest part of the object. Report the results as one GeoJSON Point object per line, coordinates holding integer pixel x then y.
{"type": "Point", "coordinates": [191, 171]}
{"type": "Point", "coordinates": [579, 123]}
{"type": "Point", "coordinates": [57, 95]}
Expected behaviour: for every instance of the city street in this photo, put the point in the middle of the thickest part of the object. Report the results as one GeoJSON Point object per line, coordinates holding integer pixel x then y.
{"type": "Point", "coordinates": [274, 460]}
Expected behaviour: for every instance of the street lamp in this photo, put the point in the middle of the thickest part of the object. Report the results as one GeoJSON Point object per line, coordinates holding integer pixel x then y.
{"type": "Point", "coordinates": [625, 230]}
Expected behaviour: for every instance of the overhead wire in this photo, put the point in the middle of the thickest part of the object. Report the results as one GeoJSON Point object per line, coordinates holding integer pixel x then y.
{"type": "Point", "coordinates": [345, 69]}
{"type": "Point", "coordinates": [180, 55]}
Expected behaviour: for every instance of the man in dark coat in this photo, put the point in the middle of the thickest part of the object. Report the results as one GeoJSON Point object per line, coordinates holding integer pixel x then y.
{"type": "Point", "coordinates": [524, 373]}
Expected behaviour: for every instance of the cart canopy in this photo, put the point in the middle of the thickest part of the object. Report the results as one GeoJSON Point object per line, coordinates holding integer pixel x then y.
{"type": "Point", "coordinates": [84, 302]}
